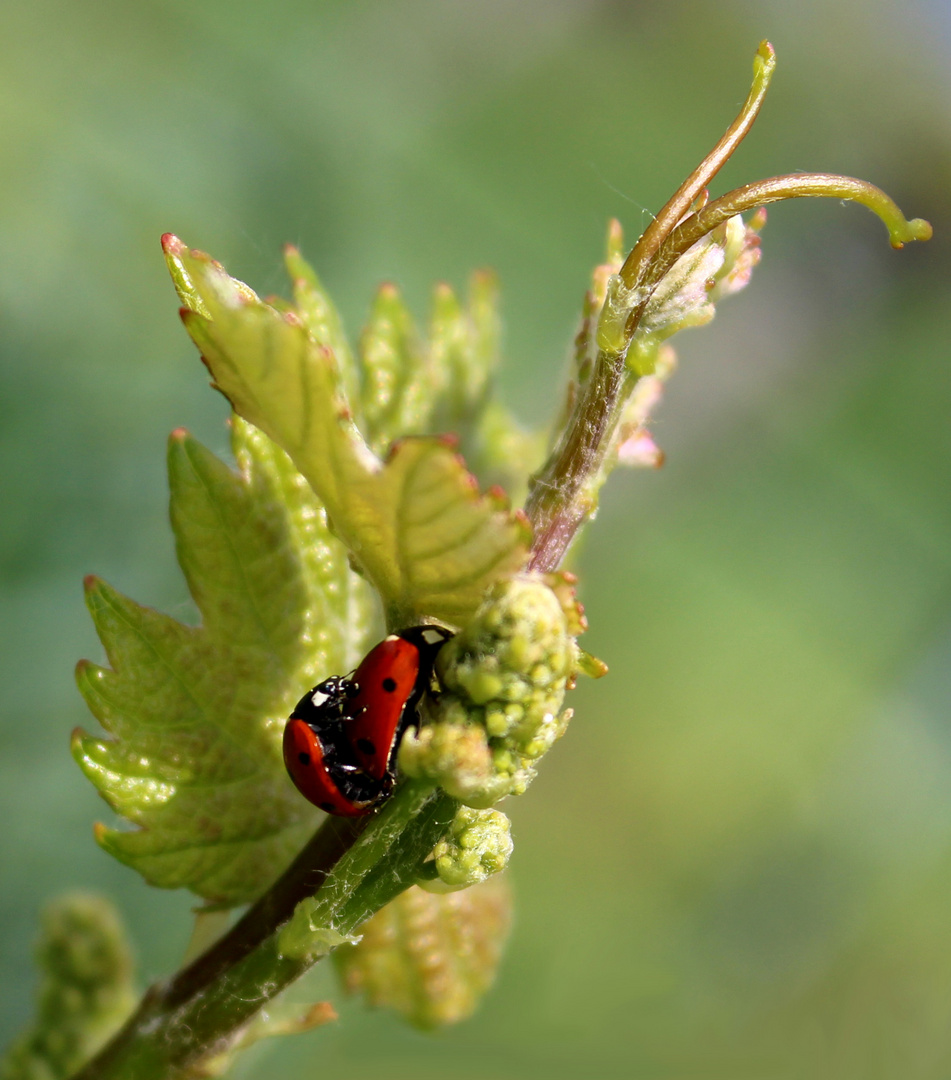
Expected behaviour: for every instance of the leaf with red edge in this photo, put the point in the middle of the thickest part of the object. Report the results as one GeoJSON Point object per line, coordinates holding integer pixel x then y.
{"type": "Point", "coordinates": [413, 523]}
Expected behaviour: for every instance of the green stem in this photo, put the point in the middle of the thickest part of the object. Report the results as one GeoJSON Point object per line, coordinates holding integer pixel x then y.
{"type": "Point", "coordinates": [561, 497]}
{"type": "Point", "coordinates": [564, 492]}
{"type": "Point", "coordinates": [777, 189]}
{"type": "Point", "coordinates": [352, 868]}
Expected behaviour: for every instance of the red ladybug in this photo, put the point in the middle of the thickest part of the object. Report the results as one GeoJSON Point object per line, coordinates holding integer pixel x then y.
{"type": "Point", "coordinates": [320, 759]}
{"type": "Point", "coordinates": [341, 740]}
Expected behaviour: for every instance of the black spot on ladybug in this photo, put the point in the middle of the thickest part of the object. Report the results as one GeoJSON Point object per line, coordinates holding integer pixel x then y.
{"type": "Point", "coordinates": [303, 757]}
{"type": "Point", "coordinates": [389, 685]}
{"type": "Point", "coordinates": [327, 807]}
{"type": "Point", "coordinates": [366, 746]}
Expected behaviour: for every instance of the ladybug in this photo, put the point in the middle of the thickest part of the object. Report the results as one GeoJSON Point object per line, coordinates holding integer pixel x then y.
{"type": "Point", "coordinates": [341, 740]}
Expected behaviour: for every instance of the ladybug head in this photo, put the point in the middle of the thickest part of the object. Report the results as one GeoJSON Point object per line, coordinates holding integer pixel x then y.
{"type": "Point", "coordinates": [325, 703]}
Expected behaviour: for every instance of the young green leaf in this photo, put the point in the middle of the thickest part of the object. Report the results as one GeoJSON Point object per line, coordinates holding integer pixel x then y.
{"type": "Point", "coordinates": [464, 351]}
{"type": "Point", "coordinates": [414, 523]}
{"type": "Point", "coordinates": [196, 713]}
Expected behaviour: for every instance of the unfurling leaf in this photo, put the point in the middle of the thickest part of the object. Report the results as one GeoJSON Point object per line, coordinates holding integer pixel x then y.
{"type": "Point", "coordinates": [197, 713]}
{"type": "Point", "coordinates": [85, 989]}
{"type": "Point", "coordinates": [464, 352]}
{"type": "Point", "coordinates": [397, 389]}
{"type": "Point", "coordinates": [414, 524]}
{"type": "Point", "coordinates": [430, 957]}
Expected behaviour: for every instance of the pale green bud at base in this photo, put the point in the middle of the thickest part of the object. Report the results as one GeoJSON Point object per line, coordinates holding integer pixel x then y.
{"type": "Point", "coordinates": [455, 756]}
{"type": "Point", "coordinates": [478, 845]}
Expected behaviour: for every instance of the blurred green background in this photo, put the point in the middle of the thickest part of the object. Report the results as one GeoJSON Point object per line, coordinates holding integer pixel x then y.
{"type": "Point", "coordinates": [739, 862]}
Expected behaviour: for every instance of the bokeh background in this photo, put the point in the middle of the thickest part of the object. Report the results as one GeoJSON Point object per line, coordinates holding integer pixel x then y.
{"type": "Point", "coordinates": [739, 862]}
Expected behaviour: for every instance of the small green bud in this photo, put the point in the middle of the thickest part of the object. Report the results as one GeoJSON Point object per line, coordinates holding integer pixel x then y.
{"type": "Point", "coordinates": [479, 844]}
{"type": "Point", "coordinates": [454, 755]}
{"type": "Point", "coordinates": [482, 686]}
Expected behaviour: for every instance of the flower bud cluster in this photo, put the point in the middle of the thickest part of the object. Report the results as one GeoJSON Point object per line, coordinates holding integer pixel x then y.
{"type": "Point", "coordinates": [478, 845]}
{"type": "Point", "coordinates": [504, 678]}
